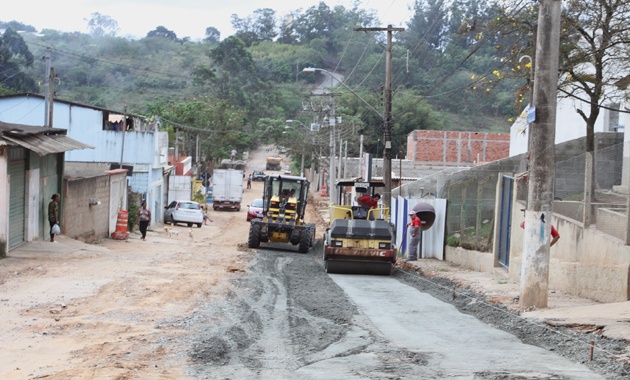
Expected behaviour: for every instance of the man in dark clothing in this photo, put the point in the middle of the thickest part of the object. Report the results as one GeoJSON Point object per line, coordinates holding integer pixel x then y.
{"type": "Point", "coordinates": [53, 214]}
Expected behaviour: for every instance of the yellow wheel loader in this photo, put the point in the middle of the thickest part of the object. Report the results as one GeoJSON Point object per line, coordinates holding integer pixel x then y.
{"type": "Point", "coordinates": [284, 206]}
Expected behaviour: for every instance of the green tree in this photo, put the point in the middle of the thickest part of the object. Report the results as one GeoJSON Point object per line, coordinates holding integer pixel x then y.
{"type": "Point", "coordinates": [261, 26]}
{"type": "Point", "coordinates": [18, 26]}
{"type": "Point", "coordinates": [101, 25]}
{"type": "Point", "coordinates": [212, 35]}
{"type": "Point", "coordinates": [162, 32]}
{"type": "Point", "coordinates": [14, 57]}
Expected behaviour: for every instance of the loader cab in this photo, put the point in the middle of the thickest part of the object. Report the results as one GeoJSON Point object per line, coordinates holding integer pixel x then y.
{"type": "Point", "coordinates": [286, 196]}
{"type": "Point", "coordinates": [282, 221]}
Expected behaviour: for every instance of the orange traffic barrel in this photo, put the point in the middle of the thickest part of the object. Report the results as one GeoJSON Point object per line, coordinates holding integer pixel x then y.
{"type": "Point", "coordinates": [324, 191]}
{"type": "Point", "coordinates": [121, 222]}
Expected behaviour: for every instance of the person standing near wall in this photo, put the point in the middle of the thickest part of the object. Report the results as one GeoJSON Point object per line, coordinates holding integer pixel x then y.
{"type": "Point", "coordinates": [143, 218]}
{"type": "Point", "coordinates": [415, 231]}
{"type": "Point", "coordinates": [555, 235]}
{"type": "Point", "coordinates": [53, 214]}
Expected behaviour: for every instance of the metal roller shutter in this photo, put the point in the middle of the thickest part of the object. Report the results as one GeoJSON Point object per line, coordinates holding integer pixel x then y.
{"type": "Point", "coordinates": [16, 202]}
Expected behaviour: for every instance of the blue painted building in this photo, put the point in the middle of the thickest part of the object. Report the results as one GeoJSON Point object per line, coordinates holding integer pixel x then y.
{"type": "Point", "coordinates": [120, 139]}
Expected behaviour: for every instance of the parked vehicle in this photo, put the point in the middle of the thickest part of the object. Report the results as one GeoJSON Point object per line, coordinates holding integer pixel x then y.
{"type": "Point", "coordinates": [188, 212]}
{"type": "Point", "coordinates": [255, 210]}
{"type": "Point", "coordinates": [227, 189]}
{"type": "Point", "coordinates": [258, 176]}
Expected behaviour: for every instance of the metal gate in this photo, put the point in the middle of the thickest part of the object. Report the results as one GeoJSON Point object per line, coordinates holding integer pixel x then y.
{"type": "Point", "coordinates": [17, 195]}
{"type": "Point", "coordinates": [505, 220]}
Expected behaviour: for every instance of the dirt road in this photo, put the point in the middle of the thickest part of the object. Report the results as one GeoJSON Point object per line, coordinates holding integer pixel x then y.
{"type": "Point", "coordinates": [117, 309]}
{"type": "Point", "coordinates": [206, 307]}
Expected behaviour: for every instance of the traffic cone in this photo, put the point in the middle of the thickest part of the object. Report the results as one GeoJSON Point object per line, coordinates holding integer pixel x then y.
{"type": "Point", "coordinates": [324, 191]}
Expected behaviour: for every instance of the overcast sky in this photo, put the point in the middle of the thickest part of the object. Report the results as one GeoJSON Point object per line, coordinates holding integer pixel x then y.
{"type": "Point", "coordinates": [187, 18]}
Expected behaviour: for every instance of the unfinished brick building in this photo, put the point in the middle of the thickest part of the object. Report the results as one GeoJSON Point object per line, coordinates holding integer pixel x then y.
{"type": "Point", "coordinates": [452, 148]}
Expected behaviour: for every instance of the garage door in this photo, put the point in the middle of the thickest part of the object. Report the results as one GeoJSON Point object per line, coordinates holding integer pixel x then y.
{"type": "Point", "coordinates": [16, 200]}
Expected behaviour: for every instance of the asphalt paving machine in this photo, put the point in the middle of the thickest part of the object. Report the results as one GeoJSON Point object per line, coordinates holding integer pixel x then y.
{"type": "Point", "coordinates": [359, 241]}
{"type": "Point", "coordinates": [284, 206]}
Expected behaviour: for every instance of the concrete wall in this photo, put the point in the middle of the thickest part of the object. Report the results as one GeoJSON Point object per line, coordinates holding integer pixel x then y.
{"type": "Point", "coordinates": [585, 262]}
{"type": "Point", "coordinates": [117, 198]}
{"type": "Point", "coordinates": [474, 260]}
{"type": "Point", "coordinates": [83, 219]}
{"type": "Point", "coordinates": [612, 221]}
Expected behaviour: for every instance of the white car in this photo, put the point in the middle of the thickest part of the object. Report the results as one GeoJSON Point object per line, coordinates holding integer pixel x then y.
{"type": "Point", "coordinates": [188, 212]}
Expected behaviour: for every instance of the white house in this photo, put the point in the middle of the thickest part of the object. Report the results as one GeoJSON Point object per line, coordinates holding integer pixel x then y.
{"type": "Point", "coordinates": [569, 124]}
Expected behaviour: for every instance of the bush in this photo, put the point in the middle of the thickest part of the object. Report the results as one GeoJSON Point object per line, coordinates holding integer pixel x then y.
{"type": "Point", "coordinates": [452, 241]}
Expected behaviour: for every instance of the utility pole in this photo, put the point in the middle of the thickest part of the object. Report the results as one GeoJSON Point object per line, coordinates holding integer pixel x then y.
{"type": "Point", "coordinates": [48, 91]}
{"type": "Point", "coordinates": [535, 260]}
{"type": "Point", "coordinates": [332, 167]}
{"type": "Point", "coordinates": [361, 157]}
{"type": "Point", "coordinates": [332, 122]}
{"type": "Point", "coordinates": [176, 145]}
{"type": "Point", "coordinates": [387, 130]}
{"type": "Point", "coordinates": [124, 132]}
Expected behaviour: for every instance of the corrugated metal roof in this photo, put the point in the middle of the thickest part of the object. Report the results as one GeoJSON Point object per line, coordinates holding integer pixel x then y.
{"type": "Point", "coordinates": [40, 140]}
{"type": "Point", "coordinates": [46, 144]}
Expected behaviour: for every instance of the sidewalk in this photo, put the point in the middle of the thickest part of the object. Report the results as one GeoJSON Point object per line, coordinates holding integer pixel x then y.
{"type": "Point", "coordinates": [612, 319]}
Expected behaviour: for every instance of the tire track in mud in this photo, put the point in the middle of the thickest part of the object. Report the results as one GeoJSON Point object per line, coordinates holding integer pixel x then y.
{"type": "Point", "coordinates": [283, 314]}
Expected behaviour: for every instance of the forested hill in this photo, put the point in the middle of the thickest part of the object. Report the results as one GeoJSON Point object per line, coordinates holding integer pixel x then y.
{"type": "Point", "coordinates": [455, 67]}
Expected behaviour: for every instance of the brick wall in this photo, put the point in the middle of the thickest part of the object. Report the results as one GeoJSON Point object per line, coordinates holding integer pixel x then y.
{"type": "Point", "coordinates": [456, 148]}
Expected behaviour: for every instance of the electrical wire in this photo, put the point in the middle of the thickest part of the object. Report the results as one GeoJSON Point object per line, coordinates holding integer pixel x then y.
{"type": "Point", "coordinates": [478, 46]}
{"type": "Point", "coordinates": [591, 103]}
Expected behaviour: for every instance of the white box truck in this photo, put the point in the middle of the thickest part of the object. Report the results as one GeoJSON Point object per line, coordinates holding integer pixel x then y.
{"type": "Point", "coordinates": [227, 189]}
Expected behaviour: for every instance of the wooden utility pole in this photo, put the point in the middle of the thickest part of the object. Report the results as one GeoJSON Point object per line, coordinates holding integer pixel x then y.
{"type": "Point", "coordinates": [387, 128]}
{"type": "Point", "coordinates": [535, 259]}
